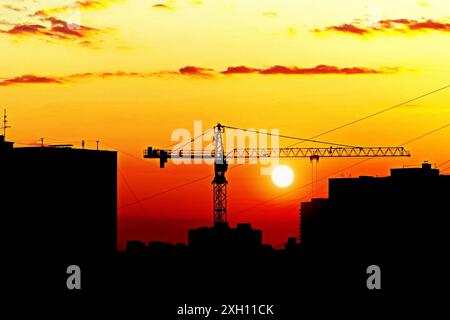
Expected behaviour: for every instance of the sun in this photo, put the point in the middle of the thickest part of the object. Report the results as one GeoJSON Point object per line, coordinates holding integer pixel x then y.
{"type": "Point", "coordinates": [282, 176]}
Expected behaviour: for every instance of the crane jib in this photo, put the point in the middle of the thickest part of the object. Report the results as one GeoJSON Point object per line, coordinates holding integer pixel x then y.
{"type": "Point", "coordinates": [222, 158]}
{"type": "Point", "coordinates": [252, 153]}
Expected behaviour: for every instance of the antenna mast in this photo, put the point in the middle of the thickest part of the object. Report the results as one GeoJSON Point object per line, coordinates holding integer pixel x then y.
{"type": "Point", "coordinates": [5, 124]}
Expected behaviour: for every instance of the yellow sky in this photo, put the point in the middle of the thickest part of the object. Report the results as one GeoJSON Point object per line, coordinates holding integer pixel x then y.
{"type": "Point", "coordinates": [136, 37]}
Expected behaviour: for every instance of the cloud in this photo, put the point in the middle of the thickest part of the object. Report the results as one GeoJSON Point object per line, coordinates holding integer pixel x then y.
{"type": "Point", "coordinates": [270, 13]}
{"type": "Point", "coordinates": [50, 28]}
{"type": "Point", "coordinates": [430, 25]}
{"type": "Point", "coordinates": [6, 22]}
{"type": "Point", "coordinates": [196, 71]}
{"type": "Point", "coordinates": [292, 31]}
{"type": "Point", "coordinates": [33, 79]}
{"type": "Point", "coordinates": [14, 7]}
{"type": "Point", "coordinates": [192, 71]}
{"type": "Point", "coordinates": [70, 78]}
{"type": "Point", "coordinates": [349, 28]}
{"type": "Point", "coordinates": [423, 4]}
{"type": "Point", "coordinates": [273, 70]}
{"type": "Point", "coordinates": [107, 75]}
{"type": "Point", "coordinates": [319, 69]}
{"type": "Point", "coordinates": [78, 5]}
{"type": "Point", "coordinates": [240, 70]}
{"type": "Point", "coordinates": [29, 79]}
{"type": "Point", "coordinates": [93, 5]}
{"type": "Point", "coordinates": [25, 29]}
{"type": "Point", "coordinates": [389, 25]}
{"type": "Point", "coordinates": [62, 24]}
{"type": "Point", "coordinates": [162, 6]}
{"type": "Point", "coordinates": [57, 29]}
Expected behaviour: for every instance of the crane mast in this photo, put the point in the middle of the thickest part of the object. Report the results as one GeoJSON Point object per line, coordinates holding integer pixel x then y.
{"type": "Point", "coordinates": [219, 182]}
{"type": "Point", "coordinates": [220, 157]}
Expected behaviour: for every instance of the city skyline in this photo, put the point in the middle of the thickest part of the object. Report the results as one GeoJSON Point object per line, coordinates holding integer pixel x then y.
{"type": "Point", "coordinates": [129, 73]}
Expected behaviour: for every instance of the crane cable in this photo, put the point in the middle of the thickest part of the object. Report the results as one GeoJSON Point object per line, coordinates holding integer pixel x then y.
{"type": "Point", "coordinates": [193, 139]}
{"type": "Point", "coordinates": [311, 139]}
{"type": "Point", "coordinates": [442, 163]}
{"type": "Point", "coordinates": [291, 137]}
{"type": "Point", "coordinates": [340, 170]}
{"type": "Point", "coordinates": [376, 113]}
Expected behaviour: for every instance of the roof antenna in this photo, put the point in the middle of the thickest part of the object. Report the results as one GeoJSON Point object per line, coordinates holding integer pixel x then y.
{"type": "Point", "coordinates": [5, 124]}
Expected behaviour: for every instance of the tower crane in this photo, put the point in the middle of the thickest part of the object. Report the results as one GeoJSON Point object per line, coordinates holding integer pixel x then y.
{"type": "Point", "coordinates": [220, 157]}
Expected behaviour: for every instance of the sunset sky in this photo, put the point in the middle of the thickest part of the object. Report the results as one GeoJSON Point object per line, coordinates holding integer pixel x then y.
{"type": "Point", "coordinates": [130, 72]}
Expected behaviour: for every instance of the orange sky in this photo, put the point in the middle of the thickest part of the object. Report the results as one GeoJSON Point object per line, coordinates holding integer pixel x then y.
{"type": "Point", "coordinates": [129, 72]}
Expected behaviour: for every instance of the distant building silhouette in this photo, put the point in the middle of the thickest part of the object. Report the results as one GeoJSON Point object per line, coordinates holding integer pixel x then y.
{"type": "Point", "coordinates": [221, 239]}
{"type": "Point", "coordinates": [314, 221]}
{"type": "Point", "coordinates": [156, 249]}
{"type": "Point", "coordinates": [402, 214]}
{"type": "Point", "coordinates": [59, 200]}
{"type": "Point", "coordinates": [135, 246]}
{"type": "Point", "coordinates": [292, 247]}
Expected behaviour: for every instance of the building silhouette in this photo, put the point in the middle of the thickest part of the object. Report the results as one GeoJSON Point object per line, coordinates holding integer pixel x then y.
{"type": "Point", "coordinates": [156, 249]}
{"type": "Point", "coordinates": [372, 217]}
{"type": "Point", "coordinates": [59, 201]}
{"type": "Point", "coordinates": [221, 239]}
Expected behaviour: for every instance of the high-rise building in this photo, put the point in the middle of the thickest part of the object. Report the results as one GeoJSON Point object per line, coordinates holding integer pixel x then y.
{"type": "Point", "coordinates": [58, 201]}
{"type": "Point", "coordinates": [402, 214]}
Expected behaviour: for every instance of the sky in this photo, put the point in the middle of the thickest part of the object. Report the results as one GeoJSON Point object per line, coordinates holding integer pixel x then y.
{"type": "Point", "coordinates": [129, 72]}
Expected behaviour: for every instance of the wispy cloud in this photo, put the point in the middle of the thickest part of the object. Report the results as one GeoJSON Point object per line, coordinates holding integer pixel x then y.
{"type": "Point", "coordinates": [56, 29]}
{"type": "Point", "coordinates": [63, 23]}
{"type": "Point", "coordinates": [240, 70]}
{"type": "Point", "coordinates": [29, 79]}
{"type": "Point", "coordinates": [70, 78]}
{"type": "Point", "coordinates": [346, 28]}
{"type": "Point", "coordinates": [270, 13]}
{"type": "Point", "coordinates": [319, 69]}
{"type": "Point", "coordinates": [196, 72]}
{"type": "Point", "coordinates": [14, 7]}
{"type": "Point", "coordinates": [82, 5]}
{"type": "Point", "coordinates": [51, 28]}
{"type": "Point", "coordinates": [87, 75]}
{"type": "Point", "coordinates": [398, 26]}
{"type": "Point", "coordinates": [6, 22]}
{"type": "Point", "coordinates": [162, 6]}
